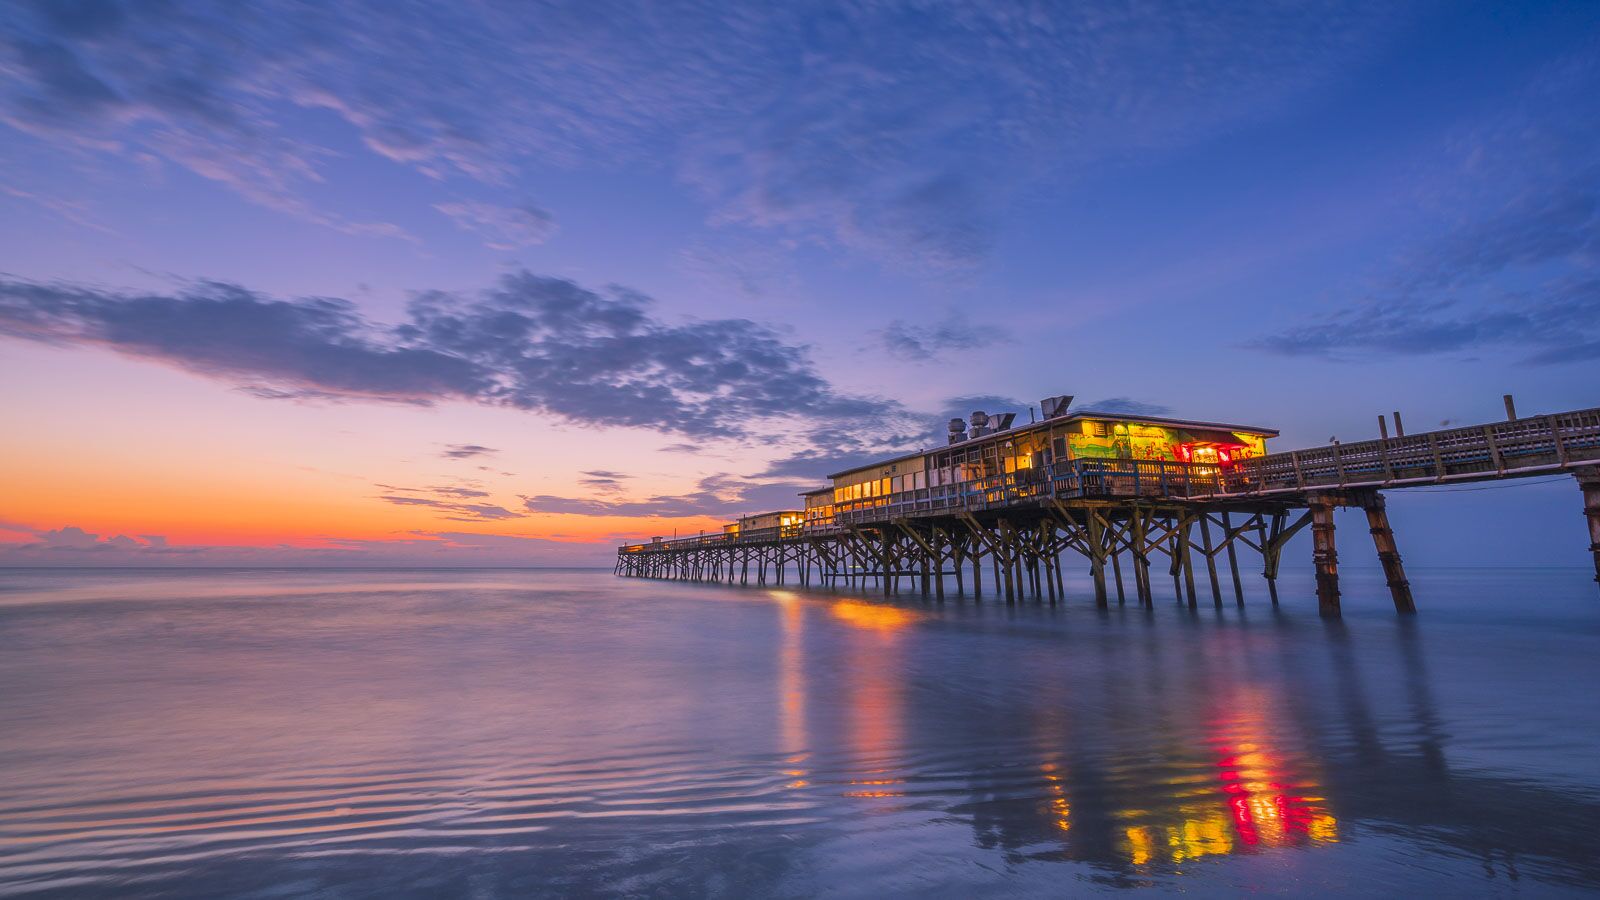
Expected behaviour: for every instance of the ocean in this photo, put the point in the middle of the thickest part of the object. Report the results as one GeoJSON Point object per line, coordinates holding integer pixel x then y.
{"type": "Point", "coordinates": [527, 732]}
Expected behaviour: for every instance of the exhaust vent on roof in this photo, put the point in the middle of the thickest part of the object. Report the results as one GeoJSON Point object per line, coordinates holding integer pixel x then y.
{"type": "Point", "coordinates": [1002, 421]}
{"type": "Point", "coordinates": [1053, 407]}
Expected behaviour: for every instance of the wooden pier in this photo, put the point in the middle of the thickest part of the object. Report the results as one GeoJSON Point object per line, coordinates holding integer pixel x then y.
{"type": "Point", "coordinates": [1132, 521]}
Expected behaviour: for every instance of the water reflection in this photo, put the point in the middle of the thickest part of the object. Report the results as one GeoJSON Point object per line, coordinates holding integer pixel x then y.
{"type": "Point", "coordinates": [1262, 770]}
{"type": "Point", "coordinates": [787, 743]}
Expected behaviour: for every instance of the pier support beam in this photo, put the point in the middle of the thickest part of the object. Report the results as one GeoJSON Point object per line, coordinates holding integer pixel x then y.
{"type": "Point", "coordinates": [1589, 481]}
{"type": "Point", "coordinates": [1324, 555]}
{"type": "Point", "coordinates": [1394, 572]}
{"type": "Point", "coordinates": [1097, 558]}
{"type": "Point", "coordinates": [1229, 537]}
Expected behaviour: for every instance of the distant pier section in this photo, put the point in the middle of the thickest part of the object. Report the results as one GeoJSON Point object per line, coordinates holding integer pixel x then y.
{"type": "Point", "coordinates": [1135, 497]}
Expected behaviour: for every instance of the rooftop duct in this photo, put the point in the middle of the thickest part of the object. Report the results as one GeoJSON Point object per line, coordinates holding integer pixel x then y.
{"type": "Point", "coordinates": [1052, 407]}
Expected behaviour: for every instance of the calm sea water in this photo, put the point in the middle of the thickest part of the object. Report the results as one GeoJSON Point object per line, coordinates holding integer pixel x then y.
{"type": "Point", "coordinates": [527, 732]}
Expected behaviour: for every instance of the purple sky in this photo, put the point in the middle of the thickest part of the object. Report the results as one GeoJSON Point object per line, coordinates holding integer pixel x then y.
{"type": "Point", "coordinates": [265, 264]}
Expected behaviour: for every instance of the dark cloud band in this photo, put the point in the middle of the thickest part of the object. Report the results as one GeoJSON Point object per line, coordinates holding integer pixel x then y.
{"type": "Point", "coordinates": [529, 342]}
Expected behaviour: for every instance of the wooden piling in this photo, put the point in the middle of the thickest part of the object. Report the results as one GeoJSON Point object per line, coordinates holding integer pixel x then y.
{"type": "Point", "coordinates": [1271, 552]}
{"type": "Point", "coordinates": [1230, 537]}
{"type": "Point", "coordinates": [1324, 555]}
{"type": "Point", "coordinates": [1211, 559]}
{"type": "Point", "coordinates": [1394, 571]}
{"type": "Point", "coordinates": [1589, 482]}
{"type": "Point", "coordinates": [1185, 541]}
{"type": "Point", "coordinates": [1097, 558]}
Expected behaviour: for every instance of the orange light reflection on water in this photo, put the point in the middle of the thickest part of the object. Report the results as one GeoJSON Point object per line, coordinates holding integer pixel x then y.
{"type": "Point", "coordinates": [876, 693]}
{"type": "Point", "coordinates": [872, 616]}
{"type": "Point", "coordinates": [1268, 798]}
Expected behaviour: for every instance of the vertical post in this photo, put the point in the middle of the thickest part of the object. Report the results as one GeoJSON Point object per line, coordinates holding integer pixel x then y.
{"type": "Point", "coordinates": [1008, 562]}
{"type": "Point", "coordinates": [1511, 408]}
{"type": "Point", "coordinates": [1141, 563]}
{"type": "Point", "coordinates": [1589, 481]}
{"type": "Point", "coordinates": [923, 552]}
{"type": "Point", "coordinates": [889, 583]}
{"type": "Point", "coordinates": [1271, 552]}
{"type": "Point", "coordinates": [1177, 561]}
{"type": "Point", "coordinates": [977, 569]}
{"type": "Point", "coordinates": [1097, 557]}
{"type": "Point", "coordinates": [1228, 538]}
{"type": "Point", "coordinates": [1116, 573]}
{"type": "Point", "coordinates": [1388, 553]}
{"type": "Point", "coordinates": [1383, 428]}
{"type": "Point", "coordinates": [1185, 545]}
{"type": "Point", "coordinates": [938, 562]}
{"type": "Point", "coordinates": [1211, 558]}
{"type": "Point", "coordinates": [1324, 555]}
{"type": "Point", "coordinates": [1399, 427]}
{"type": "Point", "coordinates": [958, 558]}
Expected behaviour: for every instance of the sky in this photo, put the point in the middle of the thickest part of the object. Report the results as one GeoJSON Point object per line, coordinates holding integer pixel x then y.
{"type": "Point", "coordinates": [472, 283]}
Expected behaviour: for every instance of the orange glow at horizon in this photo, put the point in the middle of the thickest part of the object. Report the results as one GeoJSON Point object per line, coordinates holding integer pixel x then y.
{"type": "Point", "coordinates": [120, 447]}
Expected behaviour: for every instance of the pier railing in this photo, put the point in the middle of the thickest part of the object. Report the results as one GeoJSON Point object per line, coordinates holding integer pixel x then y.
{"type": "Point", "coordinates": [1524, 446]}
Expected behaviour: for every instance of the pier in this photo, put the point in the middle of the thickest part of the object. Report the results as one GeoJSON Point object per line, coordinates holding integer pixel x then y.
{"type": "Point", "coordinates": [1137, 499]}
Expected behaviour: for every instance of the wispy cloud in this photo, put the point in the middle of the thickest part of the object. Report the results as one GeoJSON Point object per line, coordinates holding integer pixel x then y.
{"type": "Point", "coordinates": [1558, 323]}
{"type": "Point", "coordinates": [458, 512]}
{"type": "Point", "coordinates": [502, 227]}
{"type": "Point", "coordinates": [1514, 268]}
{"type": "Point", "coordinates": [1126, 406]}
{"type": "Point", "coordinates": [953, 333]}
{"type": "Point", "coordinates": [721, 496]}
{"type": "Point", "coordinates": [529, 342]}
{"type": "Point", "coordinates": [73, 546]}
{"type": "Point", "coordinates": [466, 451]}
{"type": "Point", "coordinates": [795, 120]}
{"type": "Point", "coordinates": [604, 481]}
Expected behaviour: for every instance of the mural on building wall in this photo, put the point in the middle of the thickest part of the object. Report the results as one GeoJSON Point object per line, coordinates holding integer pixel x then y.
{"type": "Point", "coordinates": [1100, 439]}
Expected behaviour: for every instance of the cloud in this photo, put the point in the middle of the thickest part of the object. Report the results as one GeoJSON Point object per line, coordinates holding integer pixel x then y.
{"type": "Point", "coordinates": [449, 499]}
{"type": "Point", "coordinates": [1557, 324]}
{"type": "Point", "coordinates": [529, 342]}
{"type": "Point", "coordinates": [460, 512]}
{"type": "Point", "coordinates": [467, 451]}
{"type": "Point", "coordinates": [1125, 406]}
{"type": "Point", "coordinates": [801, 120]}
{"type": "Point", "coordinates": [1512, 266]}
{"type": "Point", "coordinates": [71, 545]}
{"type": "Point", "coordinates": [604, 481]}
{"type": "Point", "coordinates": [720, 496]}
{"type": "Point", "coordinates": [502, 227]}
{"type": "Point", "coordinates": [925, 343]}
